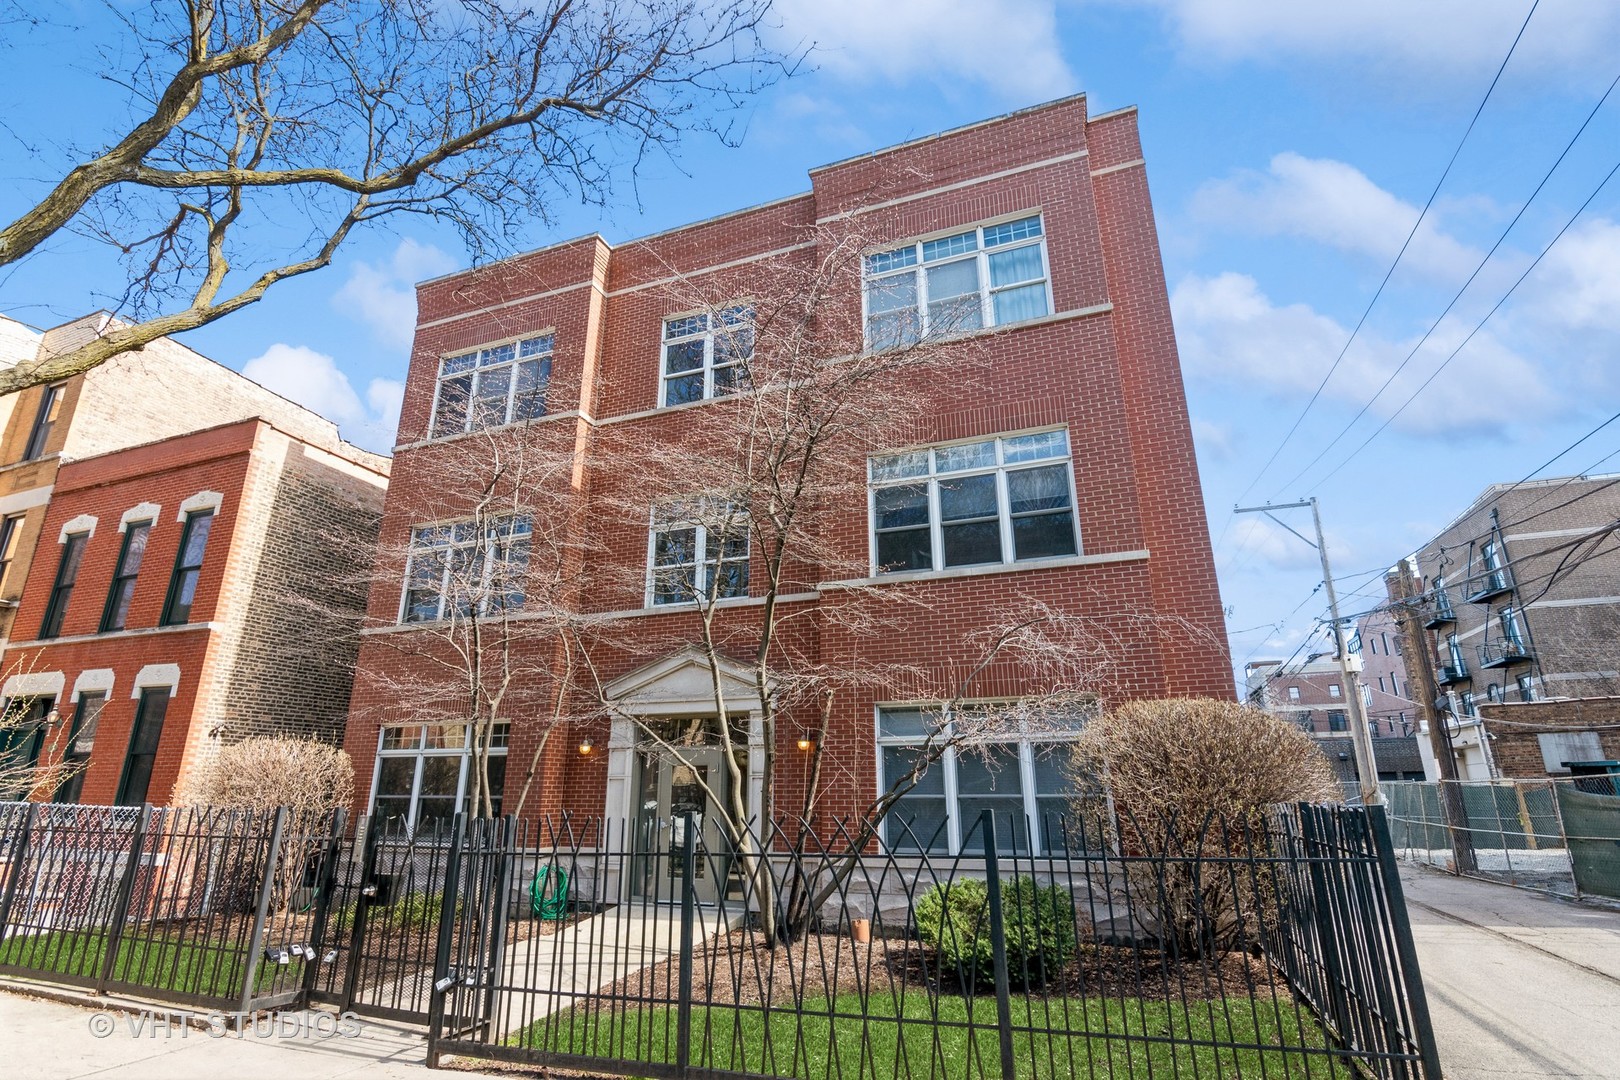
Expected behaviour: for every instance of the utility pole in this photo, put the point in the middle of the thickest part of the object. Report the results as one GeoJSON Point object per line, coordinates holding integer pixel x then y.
{"type": "Point", "coordinates": [1404, 592]}
{"type": "Point", "coordinates": [1360, 735]}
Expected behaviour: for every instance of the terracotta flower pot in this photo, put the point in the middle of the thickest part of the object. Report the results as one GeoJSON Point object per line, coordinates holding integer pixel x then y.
{"type": "Point", "coordinates": [861, 930]}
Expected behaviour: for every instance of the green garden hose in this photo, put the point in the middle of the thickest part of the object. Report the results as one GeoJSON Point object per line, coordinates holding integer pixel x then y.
{"type": "Point", "coordinates": [548, 893]}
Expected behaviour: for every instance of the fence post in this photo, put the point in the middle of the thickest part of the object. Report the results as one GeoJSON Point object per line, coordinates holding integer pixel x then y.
{"type": "Point", "coordinates": [683, 1006]}
{"type": "Point", "coordinates": [998, 945]}
{"type": "Point", "coordinates": [1328, 932]}
{"type": "Point", "coordinates": [325, 888]}
{"type": "Point", "coordinates": [262, 911]}
{"type": "Point", "coordinates": [14, 875]}
{"type": "Point", "coordinates": [126, 888]}
{"type": "Point", "coordinates": [357, 929]}
{"type": "Point", "coordinates": [1405, 949]}
{"type": "Point", "coordinates": [444, 982]}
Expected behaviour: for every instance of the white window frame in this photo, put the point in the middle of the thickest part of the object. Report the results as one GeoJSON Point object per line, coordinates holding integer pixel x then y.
{"type": "Point", "coordinates": [488, 538]}
{"type": "Point", "coordinates": [932, 477]}
{"type": "Point", "coordinates": [912, 258]}
{"type": "Point", "coordinates": [667, 519]}
{"type": "Point", "coordinates": [533, 348]}
{"type": "Point", "coordinates": [499, 744]}
{"type": "Point", "coordinates": [947, 763]}
{"type": "Point", "coordinates": [705, 326]}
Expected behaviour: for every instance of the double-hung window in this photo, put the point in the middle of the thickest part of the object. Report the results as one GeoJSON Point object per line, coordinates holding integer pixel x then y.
{"type": "Point", "coordinates": [990, 275]}
{"type": "Point", "coordinates": [1024, 782]}
{"type": "Point", "coordinates": [1001, 500]}
{"type": "Point", "coordinates": [81, 741]}
{"type": "Point", "coordinates": [11, 527]}
{"type": "Point", "coordinates": [187, 568]}
{"type": "Point", "coordinates": [468, 568]}
{"type": "Point", "coordinates": [21, 741]}
{"type": "Point", "coordinates": [698, 551]}
{"type": "Point", "coordinates": [144, 738]}
{"type": "Point", "coordinates": [424, 772]}
{"type": "Point", "coordinates": [491, 387]}
{"type": "Point", "coordinates": [706, 355]}
{"type": "Point", "coordinates": [50, 409]}
{"type": "Point", "coordinates": [123, 585]}
{"type": "Point", "coordinates": [67, 572]}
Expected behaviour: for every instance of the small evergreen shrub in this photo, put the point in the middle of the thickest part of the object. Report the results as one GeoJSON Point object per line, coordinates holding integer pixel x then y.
{"type": "Point", "coordinates": [1038, 921]}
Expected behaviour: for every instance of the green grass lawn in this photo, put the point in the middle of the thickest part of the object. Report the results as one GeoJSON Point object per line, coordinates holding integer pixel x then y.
{"type": "Point", "coordinates": [209, 969]}
{"type": "Point", "coordinates": [1054, 1038]}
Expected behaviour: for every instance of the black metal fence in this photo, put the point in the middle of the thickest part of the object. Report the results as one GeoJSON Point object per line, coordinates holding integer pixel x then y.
{"type": "Point", "coordinates": [1107, 948]}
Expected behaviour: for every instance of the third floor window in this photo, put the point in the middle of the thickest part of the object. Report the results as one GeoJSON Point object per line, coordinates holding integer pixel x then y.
{"type": "Point", "coordinates": [187, 568]}
{"type": "Point", "coordinates": [123, 586]}
{"type": "Point", "coordinates": [50, 408]}
{"type": "Point", "coordinates": [991, 275]}
{"type": "Point", "coordinates": [491, 387]}
{"type": "Point", "coordinates": [67, 573]}
{"type": "Point", "coordinates": [467, 569]}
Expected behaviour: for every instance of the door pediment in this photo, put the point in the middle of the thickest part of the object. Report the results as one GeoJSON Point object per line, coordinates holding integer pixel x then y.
{"type": "Point", "coordinates": [681, 684]}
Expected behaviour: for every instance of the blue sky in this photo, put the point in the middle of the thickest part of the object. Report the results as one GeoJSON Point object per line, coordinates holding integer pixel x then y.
{"type": "Point", "coordinates": [1289, 147]}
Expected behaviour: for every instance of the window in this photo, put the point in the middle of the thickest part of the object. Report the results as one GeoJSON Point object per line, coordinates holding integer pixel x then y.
{"type": "Point", "coordinates": [1022, 781]}
{"type": "Point", "coordinates": [698, 554]}
{"type": "Point", "coordinates": [50, 407]}
{"type": "Point", "coordinates": [1512, 634]}
{"type": "Point", "coordinates": [1293, 693]}
{"type": "Point", "coordinates": [490, 387]}
{"type": "Point", "coordinates": [1454, 647]}
{"type": "Point", "coordinates": [1493, 692]}
{"type": "Point", "coordinates": [706, 355]}
{"type": "Point", "coordinates": [1338, 721]}
{"type": "Point", "coordinates": [424, 773]}
{"type": "Point", "coordinates": [466, 569]}
{"type": "Point", "coordinates": [10, 536]}
{"type": "Point", "coordinates": [187, 568]}
{"type": "Point", "coordinates": [67, 572]}
{"type": "Point", "coordinates": [81, 741]}
{"type": "Point", "coordinates": [22, 739]}
{"type": "Point", "coordinates": [143, 746]}
{"type": "Point", "coordinates": [1333, 690]}
{"type": "Point", "coordinates": [123, 585]}
{"type": "Point", "coordinates": [1527, 687]}
{"type": "Point", "coordinates": [998, 500]}
{"type": "Point", "coordinates": [987, 276]}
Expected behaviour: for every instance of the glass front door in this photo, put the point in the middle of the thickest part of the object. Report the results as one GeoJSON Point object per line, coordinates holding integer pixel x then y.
{"type": "Point", "coordinates": [678, 789]}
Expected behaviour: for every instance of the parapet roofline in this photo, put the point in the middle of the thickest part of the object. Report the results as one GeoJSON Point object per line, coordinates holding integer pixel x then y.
{"type": "Point", "coordinates": [922, 139]}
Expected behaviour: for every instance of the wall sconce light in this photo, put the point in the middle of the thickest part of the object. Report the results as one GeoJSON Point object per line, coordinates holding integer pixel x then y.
{"type": "Point", "coordinates": [53, 718]}
{"type": "Point", "coordinates": [806, 743]}
{"type": "Point", "coordinates": [585, 746]}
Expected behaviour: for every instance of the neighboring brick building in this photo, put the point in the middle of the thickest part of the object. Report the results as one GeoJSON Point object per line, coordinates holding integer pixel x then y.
{"type": "Point", "coordinates": [189, 591]}
{"type": "Point", "coordinates": [1522, 602]}
{"type": "Point", "coordinates": [1531, 740]}
{"type": "Point", "coordinates": [162, 390]}
{"type": "Point", "coordinates": [1042, 220]}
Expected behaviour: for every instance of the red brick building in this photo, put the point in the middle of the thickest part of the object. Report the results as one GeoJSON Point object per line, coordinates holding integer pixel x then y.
{"type": "Point", "coordinates": [1039, 225]}
{"type": "Point", "coordinates": [167, 608]}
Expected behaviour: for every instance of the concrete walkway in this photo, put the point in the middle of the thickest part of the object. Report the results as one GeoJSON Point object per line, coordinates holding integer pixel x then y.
{"type": "Point", "coordinates": [1519, 984]}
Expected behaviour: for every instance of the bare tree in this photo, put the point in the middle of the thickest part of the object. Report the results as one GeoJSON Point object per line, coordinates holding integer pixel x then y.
{"type": "Point", "coordinates": [263, 132]}
{"type": "Point", "coordinates": [33, 735]}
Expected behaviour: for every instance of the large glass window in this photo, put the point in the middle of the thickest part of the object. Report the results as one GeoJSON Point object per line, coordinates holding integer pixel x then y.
{"type": "Point", "coordinates": [11, 527]}
{"type": "Point", "coordinates": [491, 387]}
{"type": "Point", "coordinates": [123, 585]}
{"type": "Point", "coordinates": [1026, 783]}
{"type": "Point", "coordinates": [994, 500]}
{"type": "Point", "coordinates": [424, 772]}
{"type": "Point", "coordinates": [22, 740]}
{"type": "Point", "coordinates": [706, 355]}
{"type": "Point", "coordinates": [67, 573]}
{"type": "Point", "coordinates": [698, 553]}
{"type": "Point", "coordinates": [143, 746]}
{"type": "Point", "coordinates": [187, 568]}
{"type": "Point", "coordinates": [81, 741]}
{"type": "Point", "coordinates": [50, 409]}
{"type": "Point", "coordinates": [467, 569]}
{"type": "Point", "coordinates": [991, 275]}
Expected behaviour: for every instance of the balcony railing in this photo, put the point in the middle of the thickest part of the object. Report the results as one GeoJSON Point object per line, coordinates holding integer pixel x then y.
{"type": "Point", "coordinates": [1454, 672]}
{"type": "Point", "coordinates": [1489, 585]}
{"type": "Point", "coordinates": [1501, 653]}
{"type": "Point", "coordinates": [1441, 613]}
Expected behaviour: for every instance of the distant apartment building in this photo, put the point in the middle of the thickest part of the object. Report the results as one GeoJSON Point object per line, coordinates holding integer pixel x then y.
{"type": "Point", "coordinates": [170, 588]}
{"type": "Point", "coordinates": [1522, 602]}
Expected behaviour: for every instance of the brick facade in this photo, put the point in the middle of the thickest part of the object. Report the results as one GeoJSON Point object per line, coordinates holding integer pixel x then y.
{"type": "Point", "coordinates": [1515, 730]}
{"type": "Point", "coordinates": [249, 659]}
{"type": "Point", "coordinates": [1103, 362]}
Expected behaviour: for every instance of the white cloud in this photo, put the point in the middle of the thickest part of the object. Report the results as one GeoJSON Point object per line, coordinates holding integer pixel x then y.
{"type": "Point", "coordinates": [1258, 540]}
{"type": "Point", "coordinates": [1214, 440]}
{"type": "Point", "coordinates": [1229, 331]}
{"type": "Point", "coordinates": [1577, 286]}
{"type": "Point", "coordinates": [383, 295]}
{"type": "Point", "coordinates": [1435, 38]}
{"type": "Point", "coordinates": [1335, 204]}
{"type": "Point", "coordinates": [1009, 46]}
{"type": "Point", "coordinates": [314, 380]}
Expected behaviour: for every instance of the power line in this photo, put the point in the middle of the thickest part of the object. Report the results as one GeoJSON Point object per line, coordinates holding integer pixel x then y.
{"type": "Point", "coordinates": [1317, 393]}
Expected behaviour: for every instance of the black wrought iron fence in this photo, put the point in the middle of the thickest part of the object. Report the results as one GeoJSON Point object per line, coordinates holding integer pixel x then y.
{"type": "Point", "coordinates": [1107, 948]}
{"type": "Point", "coordinates": [195, 906]}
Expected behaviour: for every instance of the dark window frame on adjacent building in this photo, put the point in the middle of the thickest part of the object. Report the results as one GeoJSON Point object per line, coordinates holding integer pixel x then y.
{"type": "Point", "coordinates": [131, 553]}
{"type": "Point", "coordinates": [67, 574]}
{"type": "Point", "coordinates": [50, 408]}
{"type": "Point", "coordinates": [81, 741]}
{"type": "Point", "coordinates": [145, 735]}
{"type": "Point", "coordinates": [11, 527]}
{"type": "Point", "coordinates": [182, 594]}
{"type": "Point", "coordinates": [492, 387]}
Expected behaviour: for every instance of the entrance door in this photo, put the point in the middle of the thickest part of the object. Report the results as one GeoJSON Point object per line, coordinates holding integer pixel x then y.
{"type": "Point", "coordinates": [680, 787]}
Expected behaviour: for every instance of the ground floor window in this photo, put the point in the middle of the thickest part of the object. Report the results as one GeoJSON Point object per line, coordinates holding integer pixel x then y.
{"type": "Point", "coordinates": [1031, 785]}
{"type": "Point", "coordinates": [143, 745]}
{"type": "Point", "coordinates": [425, 773]}
{"type": "Point", "coordinates": [81, 741]}
{"type": "Point", "coordinates": [20, 742]}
